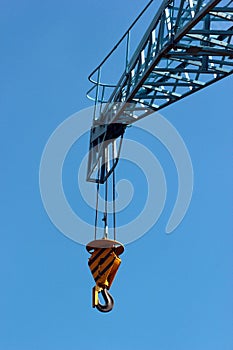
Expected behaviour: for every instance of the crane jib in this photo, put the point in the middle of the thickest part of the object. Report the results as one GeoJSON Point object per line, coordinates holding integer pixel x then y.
{"type": "Point", "coordinates": [186, 47]}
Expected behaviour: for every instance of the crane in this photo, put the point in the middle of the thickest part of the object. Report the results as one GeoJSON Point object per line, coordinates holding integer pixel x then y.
{"type": "Point", "coordinates": [186, 47]}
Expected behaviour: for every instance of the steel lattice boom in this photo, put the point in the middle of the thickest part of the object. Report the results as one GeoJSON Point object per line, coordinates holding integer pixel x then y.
{"type": "Point", "coordinates": [187, 46]}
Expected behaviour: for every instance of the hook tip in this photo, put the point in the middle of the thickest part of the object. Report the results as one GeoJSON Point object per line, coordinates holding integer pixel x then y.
{"type": "Point", "coordinates": [109, 302]}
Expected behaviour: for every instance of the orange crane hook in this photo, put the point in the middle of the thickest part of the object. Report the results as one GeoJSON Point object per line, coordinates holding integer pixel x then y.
{"type": "Point", "coordinates": [104, 263]}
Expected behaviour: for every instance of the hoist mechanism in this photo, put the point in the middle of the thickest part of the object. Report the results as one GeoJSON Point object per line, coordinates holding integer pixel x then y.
{"type": "Point", "coordinates": [186, 47]}
{"type": "Point", "coordinates": [104, 263]}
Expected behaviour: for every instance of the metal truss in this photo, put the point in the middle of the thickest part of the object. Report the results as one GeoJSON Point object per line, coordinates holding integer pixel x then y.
{"type": "Point", "coordinates": [187, 46]}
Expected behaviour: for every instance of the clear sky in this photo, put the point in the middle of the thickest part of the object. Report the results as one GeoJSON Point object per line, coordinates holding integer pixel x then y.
{"type": "Point", "coordinates": [172, 292]}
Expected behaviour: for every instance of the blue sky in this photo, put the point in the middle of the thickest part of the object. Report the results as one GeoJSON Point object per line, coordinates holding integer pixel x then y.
{"type": "Point", "coordinates": [172, 292]}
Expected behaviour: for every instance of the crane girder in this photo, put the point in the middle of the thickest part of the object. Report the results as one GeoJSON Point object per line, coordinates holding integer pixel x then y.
{"type": "Point", "coordinates": [187, 46]}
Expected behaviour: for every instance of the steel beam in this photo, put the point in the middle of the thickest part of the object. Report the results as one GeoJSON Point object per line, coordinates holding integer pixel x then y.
{"type": "Point", "coordinates": [187, 46]}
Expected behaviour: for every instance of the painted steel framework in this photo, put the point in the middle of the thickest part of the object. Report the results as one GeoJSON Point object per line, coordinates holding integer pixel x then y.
{"type": "Point", "coordinates": [187, 46]}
